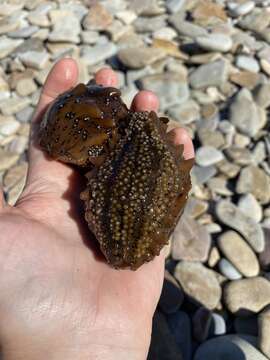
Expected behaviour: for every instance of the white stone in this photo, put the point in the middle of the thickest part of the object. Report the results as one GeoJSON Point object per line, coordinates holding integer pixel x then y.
{"type": "Point", "coordinates": [208, 155]}
{"type": "Point", "coordinates": [12, 105]}
{"type": "Point", "coordinates": [247, 63]}
{"type": "Point", "coordinates": [8, 125]}
{"type": "Point", "coordinates": [24, 32]}
{"type": "Point", "coordinates": [165, 33]}
{"type": "Point", "coordinates": [66, 26]}
{"type": "Point", "coordinates": [251, 207]}
{"type": "Point", "coordinates": [126, 16]}
{"type": "Point", "coordinates": [7, 46]}
{"type": "Point", "coordinates": [215, 42]}
{"type": "Point", "coordinates": [35, 59]}
{"type": "Point", "coordinates": [100, 52]}
{"type": "Point", "coordinates": [241, 9]}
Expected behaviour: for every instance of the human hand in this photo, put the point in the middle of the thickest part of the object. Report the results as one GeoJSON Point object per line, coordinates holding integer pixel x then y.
{"type": "Point", "coordinates": [58, 299]}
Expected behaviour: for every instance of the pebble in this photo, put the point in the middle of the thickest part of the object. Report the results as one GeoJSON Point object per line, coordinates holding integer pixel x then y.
{"type": "Point", "coordinates": [201, 322]}
{"type": "Point", "coordinates": [63, 30]}
{"type": "Point", "coordinates": [241, 140]}
{"type": "Point", "coordinates": [89, 37]}
{"type": "Point", "coordinates": [233, 217]}
{"type": "Point", "coordinates": [254, 180]}
{"type": "Point", "coordinates": [174, 6]}
{"type": "Point", "coordinates": [262, 95]}
{"type": "Point", "coordinates": [228, 270]}
{"type": "Point", "coordinates": [195, 207]}
{"type": "Point", "coordinates": [214, 257]}
{"type": "Point", "coordinates": [199, 283]}
{"type": "Point", "coordinates": [251, 207]}
{"type": "Point", "coordinates": [218, 324]}
{"type": "Point", "coordinates": [215, 42]}
{"type": "Point", "coordinates": [116, 30]}
{"type": "Point", "coordinates": [146, 24]}
{"type": "Point", "coordinates": [165, 33]}
{"type": "Point", "coordinates": [187, 28]}
{"type": "Point", "coordinates": [208, 13]}
{"type": "Point", "coordinates": [190, 241]}
{"type": "Point", "coordinates": [163, 344]}
{"type": "Point", "coordinates": [147, 7]}
{"type": "Point", "coordinates": [18, 144]}
{"type": "Point", "coordinates": [246, 115]}
{"type": "Point", "coordinates": [240, 156]}
{"type": "Point", "coordinates": [231, 347]}
{"type": "Point", "coordinates": [26, 86]}
{"type": "Point", "coordinates": [242, 9]}
{"type": "Point", "coordinates": [227, 168]}
{"type": "Point", "coordinates": [245, 79]}
{"type": "Point", "coordinates": [8, 125]}
{"type": "Point", "coordinates": [219, 185]}
{"type": "Point", "coordinates": [239, 253]}
{"type": "Point", "coordinates": [95, 54]}
{"type": "Point", "coordinates": [247, 63]}
{"type": "Point", "coordinates": [213, 228]}
{"type": "Point", "coordinates": [4, 89]}
{"type": "Point", "coordinates": [25, 115]}
{"type": "Point", "coordinates": [246, 325]}
{"type": "Point", "coordinates": [265, 65]}
{"type": "Point", "coordinates": [246, 296]}
{"type": "Point", "coordinates": [208, 155]}
{"type": "Point", "coordinates": [15, 192]}
{"type": "Point", "coordinates": [264, 325]}
{"type": "Point", "coordinates": [7, 159]}
{"type": "Point", "coordinates": [258, 20]}
{"type": "Point", "coordinates": [12, 105]}
{"type": "Point", "coordinates": [98, 18]}
{"type": "Point", "coordinates": [177, 322]}
{"type": "Point", "coordinates": [171, 88]}
{"type": "Point", "coordinates": [185, 113]}
{"type": "Point", "coordinates": [126, 16]}
{"type": "Point", "coordinates": [23, 33]}
{"type": "Point", "coordinates": [7, 46]}
{"type": "Point", "coordinates": [138, 57]}
{"type": "Point", "coordinates": [212, 74]}
{"type": "Point", "coordinates": [264, 256]}
{"type": "Point", "coordinates": [28, 45]}
{"type": "Point", "coordinates": [211, 138]}
{"type": "Point", "coordinates": [169, 48]}
{"type": "Point", "coordinates": [35, 59]}
{"type": "Point", "coordinates": [172, 296]}
{"type": "Point", "coordinates": [14, 175]}
{"type": "Point", "coordinates": [200, 175]}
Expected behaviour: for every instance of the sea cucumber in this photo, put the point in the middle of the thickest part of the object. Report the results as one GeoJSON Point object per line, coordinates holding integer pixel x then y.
{"type": "Point", "coordinates": [139, 184]}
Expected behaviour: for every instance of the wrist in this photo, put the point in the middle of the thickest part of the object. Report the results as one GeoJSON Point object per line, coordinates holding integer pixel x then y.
{"type": "Point", "coordinates": [105, 347]}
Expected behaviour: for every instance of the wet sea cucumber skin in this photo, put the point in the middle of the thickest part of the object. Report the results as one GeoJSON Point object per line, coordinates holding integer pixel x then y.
{"type": "Point", "coordinates": [134, 200]}
{"type": "Point", "coordinates": [137, 179]}
{"type": "Point", "coordinates": [80, 127]}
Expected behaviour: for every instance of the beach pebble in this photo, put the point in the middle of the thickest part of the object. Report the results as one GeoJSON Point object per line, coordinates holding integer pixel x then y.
{"type": "Point", "coordinates": [231, 347]}
{"type": "Point", "coordinates": [208, 155]}
{"type": "Point", "coordinates": [247, 296]}
{"type": "Point", "coordinates": [215, 42]}
{"type": "Point", "coordinates": [199, 283]}
{"type": "Point", "coordinates": [233, 217]}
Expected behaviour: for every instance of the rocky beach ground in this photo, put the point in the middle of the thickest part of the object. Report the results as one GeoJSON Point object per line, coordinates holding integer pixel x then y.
{"type": "Point", "coordinates": [209, 63]}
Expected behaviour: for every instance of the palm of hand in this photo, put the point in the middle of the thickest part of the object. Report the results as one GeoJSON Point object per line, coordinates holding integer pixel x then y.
{"type": "Point", "coordinates": [55, 290]}
{"type": "Point", "coordinates": [55, 277]}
